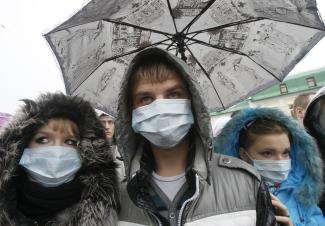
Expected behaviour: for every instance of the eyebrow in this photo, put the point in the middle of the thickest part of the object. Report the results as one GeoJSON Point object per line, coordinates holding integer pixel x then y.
{"type": "Point", "coordinates": [41, 133]}
{"type": "Point", "coordinates": [179, 86]}
{"type": "Point", "coordinates": [273, 150]}
{"type": "Point", "coordinates": [266, 149]}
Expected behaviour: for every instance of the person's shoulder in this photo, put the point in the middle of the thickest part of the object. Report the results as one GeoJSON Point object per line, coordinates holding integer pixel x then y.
{"type": "Point", "coordinates": [233, 164]}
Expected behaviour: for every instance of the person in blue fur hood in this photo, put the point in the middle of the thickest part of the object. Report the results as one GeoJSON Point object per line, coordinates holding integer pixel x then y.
{"type": "Point", "coordinates": [295, 175]}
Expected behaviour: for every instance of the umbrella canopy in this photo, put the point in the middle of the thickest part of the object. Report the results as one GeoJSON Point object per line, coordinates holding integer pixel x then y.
{"type": "Point", "coordinates": [235, 48]}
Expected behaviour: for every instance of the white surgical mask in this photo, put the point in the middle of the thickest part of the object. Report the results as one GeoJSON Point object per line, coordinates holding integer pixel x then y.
{"type": "Point", "coordinates": [164, 122]}
{"type": "Point", "coordinates": [51, 166]}
{"type": "Point", "coordinates": [274, 171]}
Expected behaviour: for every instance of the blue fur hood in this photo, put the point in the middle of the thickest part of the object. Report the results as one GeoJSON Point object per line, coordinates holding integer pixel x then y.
{"type": "Point", "coordinates": [306, 173]}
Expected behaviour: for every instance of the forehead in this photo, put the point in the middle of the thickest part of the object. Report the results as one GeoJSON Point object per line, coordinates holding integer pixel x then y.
{"type": "Point", "coordinates": [61, 125]}
{"type": "Point", "coordinates": [106, 118]}
{"type": "Point", "coordinates": [270, 141]}
{"type": "Point", "coordinates": [146, 83]}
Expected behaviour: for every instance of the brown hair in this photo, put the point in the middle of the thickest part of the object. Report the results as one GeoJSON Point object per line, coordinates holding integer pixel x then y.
{"type": "Point", "coordinates": [259, 127]}
{"type": "Point", "coordinates": [64, 126]}
{"type": "Point", "coordinates": [154, 72]}
{"type": "Point", "coordinates": [301, 100]}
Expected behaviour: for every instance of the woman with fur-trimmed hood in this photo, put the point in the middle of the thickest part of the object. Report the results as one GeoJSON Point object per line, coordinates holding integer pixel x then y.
{"type": "Point", "coordinates": [284, 154]}
{"type": "Point", "coordinates": [56, 167]}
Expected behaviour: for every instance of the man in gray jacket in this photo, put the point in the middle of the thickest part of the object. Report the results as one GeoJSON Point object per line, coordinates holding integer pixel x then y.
{"type": "Point", "coordinates": [173, 175]}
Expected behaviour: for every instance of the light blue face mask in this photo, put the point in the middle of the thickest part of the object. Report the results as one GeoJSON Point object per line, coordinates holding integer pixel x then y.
{"type": "Point", "coordinates": [274, 171]}
{"type": "Point", "coordinates": [50, 166]}
{"type": "Point", "coordinates": [164, 122]}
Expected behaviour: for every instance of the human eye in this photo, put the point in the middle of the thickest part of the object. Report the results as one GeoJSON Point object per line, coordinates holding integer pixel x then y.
{"type": "Point", "coordinates": [41, 140]}
{"type": "Point", "coordinates": [71, 142]}
{"type": "Point", "coordinates": [145, 100]}
{"type": "Point", "coordinates": [266, 154]}
{"type": "Point", "coordinates": [174, 95]}
{"type": "Point", "coordinates": [286, 153]}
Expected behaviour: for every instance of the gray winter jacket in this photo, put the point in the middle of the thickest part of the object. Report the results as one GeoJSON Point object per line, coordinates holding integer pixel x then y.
{"type": "Point", "coordinates": [227, 190]}
{"type": "Point", "coordinates": [98, 204]}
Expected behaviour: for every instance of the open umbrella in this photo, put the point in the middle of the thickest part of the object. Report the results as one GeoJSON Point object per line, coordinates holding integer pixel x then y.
{"type": "Point", "coordinates": [235, 47]}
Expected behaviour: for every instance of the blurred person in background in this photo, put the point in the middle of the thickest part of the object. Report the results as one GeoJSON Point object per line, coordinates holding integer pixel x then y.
{"type": "Point", "coordinates": [286, 157]}
{"type": "Point", "coordinates": [314, 123]}
{"type": "Point", "coordinates": [108, 123]}
{"type": "Point", "coordinates": [299, 106]}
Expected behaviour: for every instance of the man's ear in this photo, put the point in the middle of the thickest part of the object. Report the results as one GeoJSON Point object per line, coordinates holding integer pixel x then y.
{"type": "Point", "coordinates": [242, 154]}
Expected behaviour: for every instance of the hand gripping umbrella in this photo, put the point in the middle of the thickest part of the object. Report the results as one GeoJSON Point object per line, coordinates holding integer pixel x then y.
{"type": "Point", "coordinates": [235, 48]}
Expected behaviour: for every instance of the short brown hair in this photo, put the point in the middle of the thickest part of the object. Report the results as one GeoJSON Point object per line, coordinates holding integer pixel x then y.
{"type": "Point", "coordinates": [302, 100]}
{"type": "Point", "coordinates": [154, 71]}
{"type": "Point", "coordinates": [259, 127]}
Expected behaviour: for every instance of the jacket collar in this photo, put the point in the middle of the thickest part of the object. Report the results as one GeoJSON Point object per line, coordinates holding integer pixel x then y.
{"type": "Point", "coordinates": [199, 164]}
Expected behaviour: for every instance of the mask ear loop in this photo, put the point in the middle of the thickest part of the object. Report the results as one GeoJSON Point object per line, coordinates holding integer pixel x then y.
{"type": "Point", "coordinates": [251, 159]}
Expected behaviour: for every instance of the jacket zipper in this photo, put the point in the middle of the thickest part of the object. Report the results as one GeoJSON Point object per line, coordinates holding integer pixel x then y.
{"type": "Point", "coordinates": [146, 208]}
{"type": "Point", "coordinates": [195, 195]}
{"type": "Point", "coordinates": [157, 219]}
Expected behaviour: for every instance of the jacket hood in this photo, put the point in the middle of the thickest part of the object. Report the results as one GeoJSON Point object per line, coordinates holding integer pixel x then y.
{"type": "Point", "coordinates": [126, 138]}
{"type": "Point", "coordinates": [306, 173]}
{"type": "Point", "coordinates": [309, 118]}
{"type": "Point", "coordinates": [97, 172]}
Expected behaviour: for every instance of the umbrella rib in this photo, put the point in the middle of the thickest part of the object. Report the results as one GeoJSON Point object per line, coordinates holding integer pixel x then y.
{"type": "Point", "coordinates": [138, 27]}
{"type": "Point", "coordinates": [301, 25]}
{"type": "Point", "coordinates": [228, 25]}
{"type": "Point", "coordinates": [252, 20]}
{"type": "Point", "coordinates": [215, 46]}
{"type": "Point", "coordinates": [207, 75]}
{"type": "Point", "coordinates": [171, 44]}
{"type": "Point", "coordinates": [118, 56]}
{"type": "Point", "coordinates": [172, 15]}
{"type": "Point", "coordinates": [197, 16]}
{"type": "Point", "coordinates": [188, 39]}
{"type": "Point", "coordinates": [236, 52]}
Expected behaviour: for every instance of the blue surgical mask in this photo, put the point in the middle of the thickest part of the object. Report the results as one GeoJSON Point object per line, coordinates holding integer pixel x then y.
{"type": "Point", "coordinates": [164, 122]}
{"type": "Point", "coordinates": [273, 171]}
{"type": "Point", "coordinates": [50, 166]}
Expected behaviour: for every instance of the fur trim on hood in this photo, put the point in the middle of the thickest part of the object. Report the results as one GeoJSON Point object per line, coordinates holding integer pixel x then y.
{"type": "Point", "coordinates": [126, 138]}
{"type": "Point", "coordinates": [99, 199]}
{"type": "Point", "coordinates": [306, 173]}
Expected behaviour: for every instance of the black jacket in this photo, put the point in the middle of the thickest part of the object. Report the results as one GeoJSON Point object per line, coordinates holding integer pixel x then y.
{"type": "Point", "coordinates": [310, 123]}
{"type": "Point", "coordinates": [98, 204]}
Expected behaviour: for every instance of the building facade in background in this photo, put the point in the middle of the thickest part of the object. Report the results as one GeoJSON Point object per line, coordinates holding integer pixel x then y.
{"type": "Point", "coordinates": [282, 95]}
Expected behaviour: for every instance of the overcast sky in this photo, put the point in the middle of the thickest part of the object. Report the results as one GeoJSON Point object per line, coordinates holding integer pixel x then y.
{"type": "Point", "coordinates": [27, 65]}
